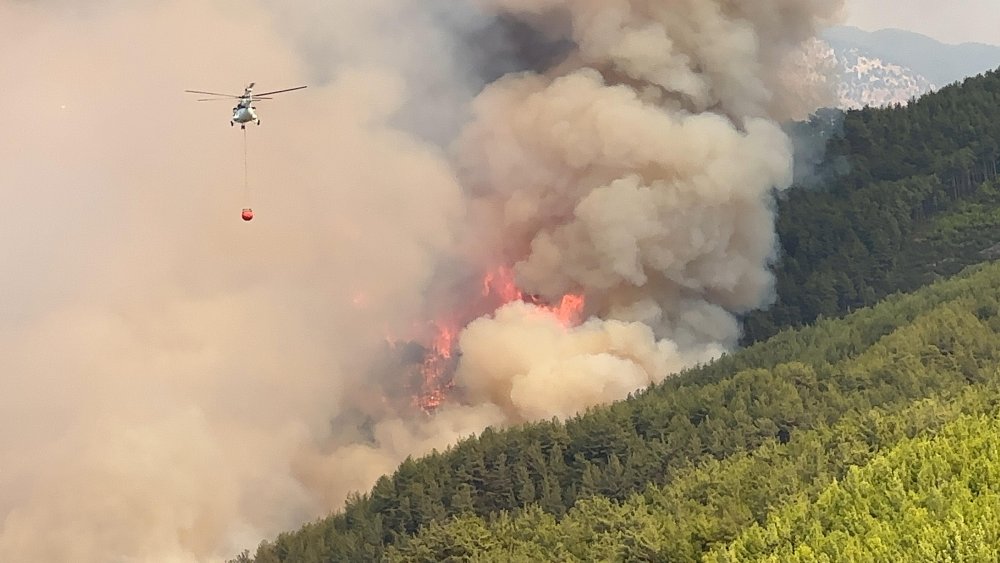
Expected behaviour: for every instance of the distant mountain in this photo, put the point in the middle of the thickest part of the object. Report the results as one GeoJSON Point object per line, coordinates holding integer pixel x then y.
{"type": "Point", "coordinates": [940, 63]}
{"type": "Point", "coordinates": [868, 80]}
{"type": "Point", "coordinates": [891, 66]}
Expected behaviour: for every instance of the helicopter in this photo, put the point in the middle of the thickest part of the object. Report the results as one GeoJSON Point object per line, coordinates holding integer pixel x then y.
{"type": "Point", "coordinates": [244, 111]}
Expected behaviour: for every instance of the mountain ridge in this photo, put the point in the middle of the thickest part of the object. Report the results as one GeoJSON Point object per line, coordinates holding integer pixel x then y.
{"type": "Point", "coordinates": [893, 66]}
{"type": "Point", "coordinates": [941, 63]}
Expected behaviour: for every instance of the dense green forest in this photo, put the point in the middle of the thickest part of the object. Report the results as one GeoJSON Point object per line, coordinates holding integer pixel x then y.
{"type": "Point", "coordinates": [804, 406]}
{"type": "Point", "coordinates": [935, 498]}
{"type": "Point", "coordinates": [705, 463]}
{"type": "Point", "coordinates": [941, 364]}
{"type": "Point", "coordinates": [903, 196]}
{"type": "Point", "coordinates": [707, 506]}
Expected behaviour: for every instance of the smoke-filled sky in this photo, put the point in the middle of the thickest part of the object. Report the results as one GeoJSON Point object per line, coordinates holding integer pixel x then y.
{"type": "Point", "coordinates": [176, 384]}
{"type": "Point", "coordinates": [957, 21]}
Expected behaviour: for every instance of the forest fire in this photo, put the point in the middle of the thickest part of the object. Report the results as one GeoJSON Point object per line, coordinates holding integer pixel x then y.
{"type": "Point", "coordinates": [440, 358]}
{"type": "Point", "coordinates": [437, 366]}
{"type": "Point", "coordinates": [500, 284]}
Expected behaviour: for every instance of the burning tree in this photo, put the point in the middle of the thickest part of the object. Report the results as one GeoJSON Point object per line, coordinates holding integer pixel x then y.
{"type": "Point", "coordinates": [430, 357]}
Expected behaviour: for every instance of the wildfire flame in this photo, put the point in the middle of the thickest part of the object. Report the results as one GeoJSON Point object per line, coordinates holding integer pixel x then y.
{"type": "Point", "coordinates": [498, 289]}
{"type": "Point", "coordinates": [436, 368]}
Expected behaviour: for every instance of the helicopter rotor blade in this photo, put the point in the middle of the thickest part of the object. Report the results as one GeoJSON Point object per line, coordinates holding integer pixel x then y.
{"type": "Point", "coordinates": [211, 93]}
{"type": "Point", "coordinates": [256, 96]}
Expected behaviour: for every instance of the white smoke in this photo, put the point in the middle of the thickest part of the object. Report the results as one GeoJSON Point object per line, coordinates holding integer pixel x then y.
{"type": "Point", "coordinates": [179, 384]}
{"type": "Point", "coordinates": [169, 371]}
{"type": "Point", "coordinates": [638, 173]}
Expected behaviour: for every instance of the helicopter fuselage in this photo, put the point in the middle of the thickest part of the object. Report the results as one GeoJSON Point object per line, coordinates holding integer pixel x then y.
{"type": "Point", "coordinates": [244, 112]}
{"type": "Point", "coordinates": [244, 115]}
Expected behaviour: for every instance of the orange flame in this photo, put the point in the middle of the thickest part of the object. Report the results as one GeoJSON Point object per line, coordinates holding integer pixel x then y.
{"type": "Point", "coordinates": [434, 371]}
{"type": "Point", "coordinates": [500, 284]}
{"type": "Point", "coordinates": [569, 310]}
{"type": "Point", "coordinates": [498, 289]}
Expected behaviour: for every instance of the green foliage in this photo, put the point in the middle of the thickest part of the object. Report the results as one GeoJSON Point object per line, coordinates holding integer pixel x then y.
{"type": "Point", "coordinates": [934, 498]}
{"type": "Point", "coordinates": [787, 390]}
{"type": "Point", "coordinates": [704, 507]}
{"type": "Point", "coordinates": [717, 500]}
{"type": "Point", "coordinates": [905, 195]}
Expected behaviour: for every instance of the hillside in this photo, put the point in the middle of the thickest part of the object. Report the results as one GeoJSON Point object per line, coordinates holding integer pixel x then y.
{"type": "Point", "coordinates": [901, 197]}
{"type": "Point", "coordinates": [932, 498]}
{"type": "Point", "coordinates": [837, 414]}
{"type": "Point", "coordinates": [704, 507]}
{"type": "Point", "coordinates": [879, 218]}
{"type": "Point", "coordinates": [787, 393]}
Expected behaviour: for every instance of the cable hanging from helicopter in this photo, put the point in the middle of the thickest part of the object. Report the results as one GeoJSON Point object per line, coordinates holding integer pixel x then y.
{"type": "Point", "coordinates": [244, 112]}
{"type": "Point", "coordinates": [247, 213]}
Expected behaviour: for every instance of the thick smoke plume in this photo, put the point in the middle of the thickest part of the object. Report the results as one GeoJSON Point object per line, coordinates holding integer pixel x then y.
{"type": "Point", "coordinates": [178, 385]}
{"type": "Point", "coordinates": [639, 173]}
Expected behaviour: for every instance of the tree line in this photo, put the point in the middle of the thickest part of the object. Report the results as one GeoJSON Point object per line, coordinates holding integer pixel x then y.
{"type": "Point", "coordinates": [857, 228]}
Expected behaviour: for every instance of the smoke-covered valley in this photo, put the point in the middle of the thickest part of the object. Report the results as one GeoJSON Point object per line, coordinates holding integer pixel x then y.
{"type": "Point", "coordinates": [179, 384]}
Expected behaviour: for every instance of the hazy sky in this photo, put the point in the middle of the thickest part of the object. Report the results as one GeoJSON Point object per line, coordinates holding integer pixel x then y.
{"type": "Point", "coordinates": [954, 22]}
{"type": "Point", "coordinates": [176, 384]}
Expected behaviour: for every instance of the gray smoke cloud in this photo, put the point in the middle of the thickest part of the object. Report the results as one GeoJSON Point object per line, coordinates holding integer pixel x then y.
{"type": "Point", "coordinates": [168, 370]}
{"type": "Point", "coordinates": [179, 384]}
{"type": "Point", "coordinates": [638, 173]}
